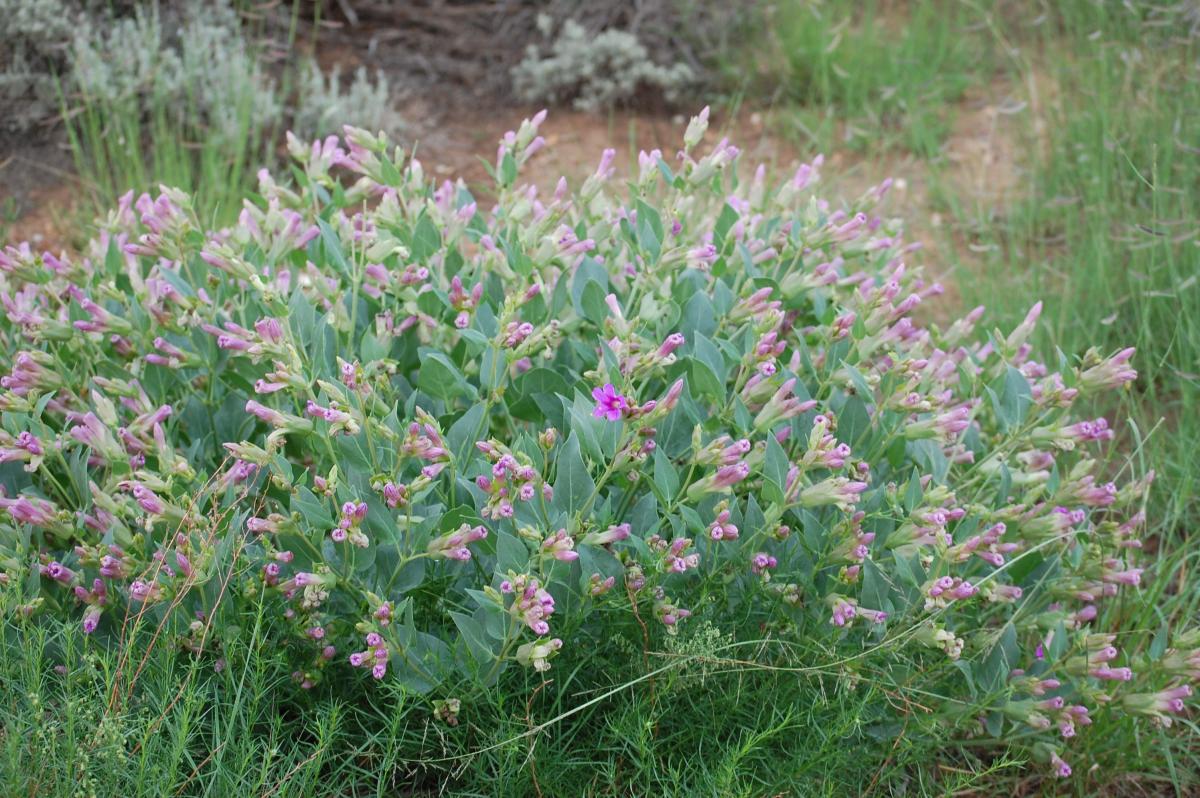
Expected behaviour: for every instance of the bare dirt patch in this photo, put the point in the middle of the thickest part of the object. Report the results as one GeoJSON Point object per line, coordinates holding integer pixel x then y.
{"type": "Point", "coordinates": [453, 137]}
{"type": "Point", "coordinates": [37, 196]}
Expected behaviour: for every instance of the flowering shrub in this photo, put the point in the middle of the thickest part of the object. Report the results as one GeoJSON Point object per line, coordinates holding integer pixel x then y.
{"type": "Point", "coordinates": [439, 441]}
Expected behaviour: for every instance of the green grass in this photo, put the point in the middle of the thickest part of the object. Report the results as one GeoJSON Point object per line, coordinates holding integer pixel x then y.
{"type": "Point", "coordinates": [1106, 233]}
{"type": "Point", "coordinates": [1104, 229]}
{"type": "Point", "coordinates": [867, 75]}
{"type": "Point", "coordinates": [79, 718]}
{"type": "Point", "coordinates": [137, 145]}
{"type": "Point", "coordinates": [1107, 230]}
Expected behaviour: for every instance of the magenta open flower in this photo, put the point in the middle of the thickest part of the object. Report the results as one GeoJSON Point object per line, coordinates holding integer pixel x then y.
{"type": "Point", "coordinates": [609, 403]}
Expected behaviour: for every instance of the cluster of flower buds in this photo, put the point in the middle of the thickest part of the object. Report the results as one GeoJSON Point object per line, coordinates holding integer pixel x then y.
{"type": "Point", "coordinates": [349, 526]}
{"type": "Point", "coordinates": [824, 451]}
{"type": "Point", "coordinates": [313, 588]}
{"type": "Point", "coordinates": [722, 528]}
{"type": "Point", "coordinates": [272, 569]}
{"type": "Point", "coordinates": [719, 481]}
{"type": "Point", "coordinates": [840, 492]}
{"type": "Point", "coordinates": [843, 610]}
{"type": "Point", "coordinates": [672, 556]}
{"type": "Point", "coordinates": [940, 592]}
{"type": "Point", "coordinates": [780, 406]}
{"type": "Point", "coordinates": [925, 527]}
{"type": "Point", "coordinates": [722, 451]}
{"type": "Point", "coordinates": [598, 585]}
{"type": "Point", "coordinates": [146, 592]}
{"type": "Point", "coordinates": [759, 307]}
{"type": "Point", "coordinates": [512, 479]}
{"type": "Point", "coordinates": [761, 564]}
{"type": "Point", "coordinates": [395, 494]}
{"type": "Point", "coordinates": [1044, 521]}
{"type": "Point", "coordinates": [282, 422]}
{"type": "Point", "coordinates": [987, 546]}
{"type": "Point", "coordinates": [1183, 659]}
{"type": "Point", "coordinates": [852, 545]}
{"type": "Point", "coordinates": [375, 657]}
{"type": "Point", "coordinates": [936, 636]}
{"type": "Point", "coordinates": [945, 426]}
{"type": "Point", "coordinates": [1106, 373]}
{"type": "Point", "coordinates": [722, 155]}
{"type": "Point", "coordinates": [1098, 652]}
{"type": "Point", "coordinates": [1066, 436]}
{"type": "Point", "coordinates": [340, 421]}
{"type": "Point", "coordinates": [1161, 705]}
{"type": "Point", "coordinates": [447, 710]}
{"type": "Point", "coordinates": [24, 448]}
{"type": "Point", "coordinates": [31, 510]}
{"type": "Point", "coordinates": [520, 144]}
{"type": "Point", "coordinates": [464, 301]}
{"type": "Point", "coordinates": [531, 605]}
{"type": "Point", "coordinates": [765, 352]}
{"type": "Point", "coordinates": [667, 612]}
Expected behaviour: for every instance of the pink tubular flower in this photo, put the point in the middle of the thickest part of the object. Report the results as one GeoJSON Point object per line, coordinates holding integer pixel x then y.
{"type": "Point", "coordinates": [395, 494]}
{"type": "Point", "coordinates": [30, 510]}
{"type": "Point", "coordinates": [1112, 674]}
{"type": "Point", "coordinates": [453, 545]}
{"type": "Point", "coordinates": [1083, 431]}
{"type": "Point", "coordinates": [148, 500]}
{"type": "Point", "coordinates": [609, 404]}
{"type": "Point", "coordinates": [91, 618]}
{"type": "Point", "coordinates": [838, 491]}
{"type": "Point", "coordinates": [560, 546]}
{"type": "Point", "coordinates": [842, 611]}
{"type": "Point", "coordinates": [269, 329]}
{"type": "Point", "coordinates": [670, 344]}
{"type": "Point", "coordinates": [58, 572]}
{"type": "Point", "coordinates": [611, 535]}
{"type": "Point", "coordinates": [264, 413]}
{"type": "Point", "coordinates": [1160, 705]}
{"type": "Point", "coordinates": [330, 414]}
{"type": "Point", "coordinates": [672, 397]}
{"type": "Point", "coordinates": [1111, 372]}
